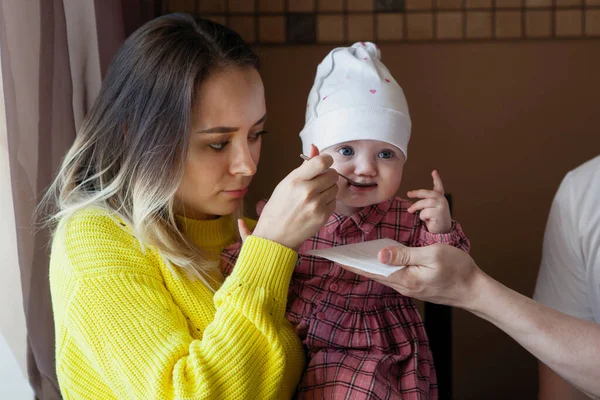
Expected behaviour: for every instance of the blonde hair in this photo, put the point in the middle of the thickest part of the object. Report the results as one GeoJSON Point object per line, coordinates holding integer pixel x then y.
{"type": "Point", "coordinates": [129, 155]}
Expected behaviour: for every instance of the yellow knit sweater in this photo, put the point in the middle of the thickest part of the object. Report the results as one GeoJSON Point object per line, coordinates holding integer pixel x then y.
{"type": "Point", "coordinates": [129, 327]}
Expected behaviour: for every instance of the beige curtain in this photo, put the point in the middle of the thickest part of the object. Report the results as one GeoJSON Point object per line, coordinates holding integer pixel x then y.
{"type": "Point", "coordinates": [53, 55]}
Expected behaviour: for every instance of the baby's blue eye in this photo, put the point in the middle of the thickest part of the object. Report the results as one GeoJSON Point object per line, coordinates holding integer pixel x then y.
{"type": "Point", "coordinates": [386, 154]}
{"type": "Point", "coordinates": [346, 151]}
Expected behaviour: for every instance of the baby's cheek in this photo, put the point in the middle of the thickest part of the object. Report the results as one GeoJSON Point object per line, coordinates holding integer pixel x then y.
{"type": "Point", "coordinates": [391, 185]}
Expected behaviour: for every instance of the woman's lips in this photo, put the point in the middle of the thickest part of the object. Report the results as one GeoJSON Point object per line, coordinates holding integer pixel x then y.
{"type": "Point", "coordinates": [236, 193]}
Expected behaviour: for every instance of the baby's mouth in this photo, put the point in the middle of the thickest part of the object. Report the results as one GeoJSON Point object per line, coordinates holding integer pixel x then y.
{"type": "Point", "coordinates": [361, 184]}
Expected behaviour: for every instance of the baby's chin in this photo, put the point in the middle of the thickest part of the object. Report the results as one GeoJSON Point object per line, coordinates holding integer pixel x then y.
{"type": "Point", "coordinates": [358, 202]}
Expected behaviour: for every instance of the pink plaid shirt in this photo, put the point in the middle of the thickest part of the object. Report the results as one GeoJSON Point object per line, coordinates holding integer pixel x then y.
{"type": "Point", "coordinates": [363, 340]}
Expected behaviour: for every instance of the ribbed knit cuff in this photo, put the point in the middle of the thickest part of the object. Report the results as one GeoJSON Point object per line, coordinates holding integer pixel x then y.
{"type": "Point", "coordinates": [452, 238]}
{"type": "Point", "coordinates": [265, 264]}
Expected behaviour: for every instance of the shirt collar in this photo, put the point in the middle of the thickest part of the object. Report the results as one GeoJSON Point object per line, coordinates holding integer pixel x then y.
{"type": "Point", "coordinates": [364, 220]}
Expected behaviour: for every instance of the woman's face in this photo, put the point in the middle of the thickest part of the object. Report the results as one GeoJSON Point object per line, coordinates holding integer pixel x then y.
{"type": "Point", "coordinates": [225, 141]}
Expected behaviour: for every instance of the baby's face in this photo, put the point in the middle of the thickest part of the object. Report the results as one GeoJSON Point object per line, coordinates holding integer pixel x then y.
{"type": "Point", "coordinates": [366, 161]}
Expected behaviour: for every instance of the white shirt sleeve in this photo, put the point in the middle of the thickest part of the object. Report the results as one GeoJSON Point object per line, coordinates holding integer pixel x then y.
{"type": "Point", "coordinates": [562, 280]}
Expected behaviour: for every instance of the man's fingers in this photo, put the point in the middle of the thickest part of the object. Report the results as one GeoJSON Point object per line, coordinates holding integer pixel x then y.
{"type": "Point", "coordinates": [362, 273]}
{"type": "Point", "coordinates": [396, 280]}
{"type": "Point", "coordinates": [402, 256]}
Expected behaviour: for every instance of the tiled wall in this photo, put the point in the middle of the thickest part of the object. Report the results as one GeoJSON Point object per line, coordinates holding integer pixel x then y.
{"type": "Point", "coordinates": [347, 21]}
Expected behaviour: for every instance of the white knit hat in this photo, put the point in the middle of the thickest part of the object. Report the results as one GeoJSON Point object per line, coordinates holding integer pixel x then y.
{"type": "Point", "coordinates": [355, 97]}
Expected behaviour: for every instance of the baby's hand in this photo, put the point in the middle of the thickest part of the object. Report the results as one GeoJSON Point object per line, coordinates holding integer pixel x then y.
{"type": "Point", "coordinates": [434, 208]}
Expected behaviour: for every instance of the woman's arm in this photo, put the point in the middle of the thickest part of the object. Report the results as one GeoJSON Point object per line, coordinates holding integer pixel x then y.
{"type": "Point", "coordinates": [113, 309]}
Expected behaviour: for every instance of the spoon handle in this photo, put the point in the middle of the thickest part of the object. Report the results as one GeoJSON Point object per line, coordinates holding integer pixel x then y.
{"type": "Point", "coordinates": [306, 158]}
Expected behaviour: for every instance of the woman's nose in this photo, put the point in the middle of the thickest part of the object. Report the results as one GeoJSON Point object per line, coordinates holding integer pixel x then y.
{"type": "Point", "coordinates": [242, 163]}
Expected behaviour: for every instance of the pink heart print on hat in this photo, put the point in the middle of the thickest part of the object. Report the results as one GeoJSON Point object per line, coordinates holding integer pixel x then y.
{"type": "Point", "coordinates": [354, 97]}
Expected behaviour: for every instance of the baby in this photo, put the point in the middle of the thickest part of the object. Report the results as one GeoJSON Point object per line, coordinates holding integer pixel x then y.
{"type": "Point", "coordinates": [364, 340]}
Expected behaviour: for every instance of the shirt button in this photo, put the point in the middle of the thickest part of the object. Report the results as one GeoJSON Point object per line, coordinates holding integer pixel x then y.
{"type": "Point", "coordinates": [333, 287]}
{"type": "Point", "coordinates": [320, 315]}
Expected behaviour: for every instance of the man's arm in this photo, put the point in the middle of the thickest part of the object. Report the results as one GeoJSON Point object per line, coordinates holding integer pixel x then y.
{"type": "Point", "coordinates": [562, 280]}
{"type": "Point", "coordinates": [568, 345]}
{"type": "Point", "coordinates": [552, 386]}
{"type": "Point", "coordinates": [446, 275]}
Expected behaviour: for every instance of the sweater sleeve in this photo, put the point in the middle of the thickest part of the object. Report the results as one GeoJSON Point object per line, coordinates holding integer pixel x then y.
{"type": "Point", "coordinates": [120, 312]}
{"type": "Point", "coordinates": [230, 254]}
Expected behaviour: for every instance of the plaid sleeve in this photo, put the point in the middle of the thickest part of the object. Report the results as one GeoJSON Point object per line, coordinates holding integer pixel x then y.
{"type": "Point", "coordinates": [229, 256]}
{"type": "Point", "coordinates": [260, 206]}
{"type": "Point", "coordinates": [456, 237]}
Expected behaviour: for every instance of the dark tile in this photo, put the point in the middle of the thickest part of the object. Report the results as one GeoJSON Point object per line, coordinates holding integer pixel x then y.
{"type": "Point", "coordinates": [244, 26]}
{"type": "Point", "coordinates": [270, 5]}
{"type": "Point", "coordinates": [479, 24]}
{"type": "Point", "coordinates": [449, 25]}
{"type": "Point", "coordinates": [330, 28]}
{"type": "Point", "coordinates": [241, 6]}
{"type": "Point", "coordinates": [592, 22]}
{"type": "Point", "coordinates": [419, 26]}
{"type": "Point", "coordinates": [331, 5]}
{"type": "Point", "coordinates": [389, 5]}
{"type": "Point", "coordinates": [301, 28]}
{"type": "Point", "coordinates": [360, 27]}
{"type": "Point", "coordinates": [211, 6]}
{"type": "Point", "coordinates": [390, 26]}
{"type": "Point", "coordinates": [509, 24]}
{"type": "Point", "coordinates": [362, 5]}
{"type": "Point", "coordinates": [418, 5]}
{"type": "Point", "coordinates": [271, 29]}
{"type": "Point", "coordinates": [187, 6]}
{"type": "Point", "coordinates": [568, 22]}
{"type": "Point", "coordinates": [538, 23]}
{"type": "Point", "coordinates": [301, 6]}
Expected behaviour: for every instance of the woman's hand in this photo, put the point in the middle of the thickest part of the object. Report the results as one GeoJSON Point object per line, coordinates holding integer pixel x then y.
{"type": "Point", "coordinates": [438, 273]}
{"type": "Point", "coordinates": [301, 203]}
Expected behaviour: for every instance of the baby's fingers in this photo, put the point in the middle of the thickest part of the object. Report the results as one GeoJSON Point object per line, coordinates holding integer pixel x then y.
{"type": "Point", "coordinates": [423, 194]}
{"type": "Point", "coordinates": [438, 186]}
{"type": "Point", "coordinates": [422, 204]}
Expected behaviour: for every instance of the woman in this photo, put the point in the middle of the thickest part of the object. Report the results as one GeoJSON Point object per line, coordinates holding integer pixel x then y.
{"type": "Point", "coordinates": [146, 198]}
{"type": "Point", "coordinates": [443, 274]}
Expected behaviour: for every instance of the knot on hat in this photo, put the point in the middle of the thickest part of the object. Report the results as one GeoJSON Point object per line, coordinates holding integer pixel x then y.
{"type": "Point", "coordinates": [354, 97]}
{"type": "Point", "coordinates": [366, 49]}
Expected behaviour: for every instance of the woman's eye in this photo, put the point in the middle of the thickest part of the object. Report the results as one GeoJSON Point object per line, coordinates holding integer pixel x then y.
{"type": "Point", "coordinates": [257, 135]}
{"type": "Point", "coordinates": [386, 154]}
{"type": "Point", "coordinates": [218, 146]}
{"type": "Point", "coordinates": [346, 151]}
